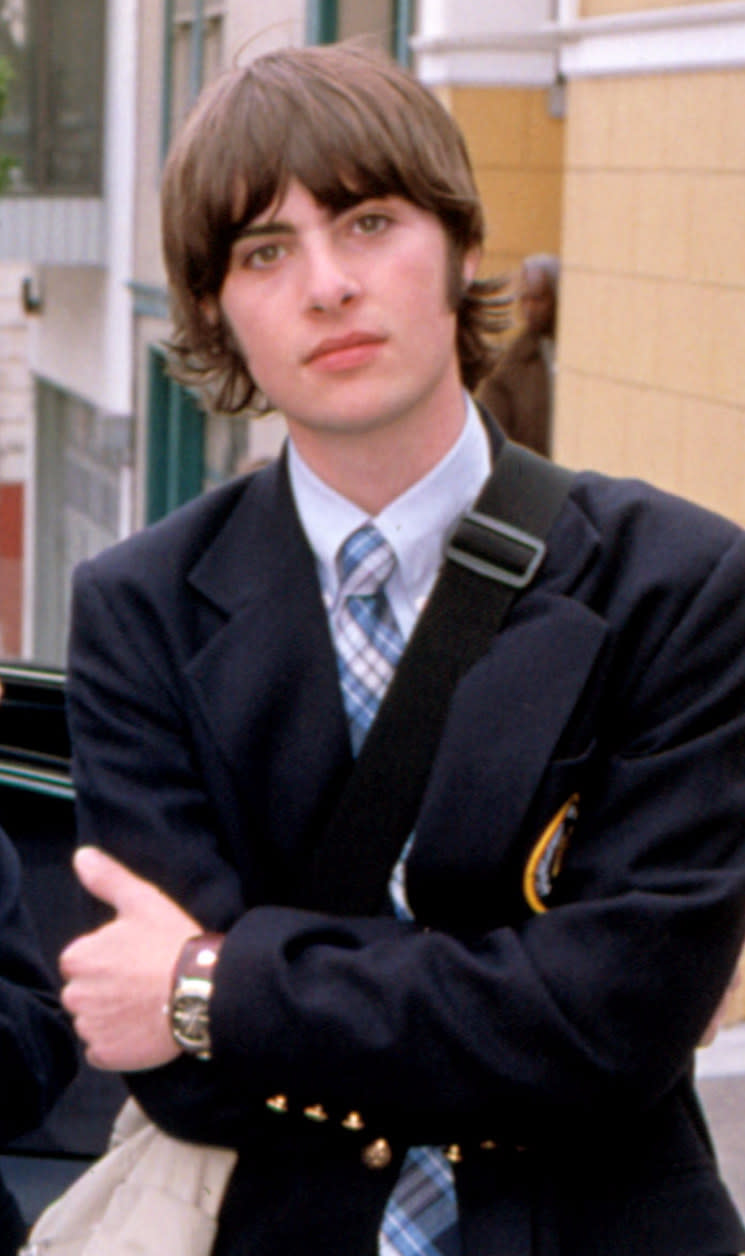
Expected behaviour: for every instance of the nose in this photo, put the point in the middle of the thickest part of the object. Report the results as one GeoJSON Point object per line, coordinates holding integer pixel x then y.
{"type": "Point", "coordinates": [330, 282]}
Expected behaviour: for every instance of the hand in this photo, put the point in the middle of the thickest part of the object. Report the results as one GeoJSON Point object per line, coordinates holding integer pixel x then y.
{"type": "Point", "coordinates": [118, 978]}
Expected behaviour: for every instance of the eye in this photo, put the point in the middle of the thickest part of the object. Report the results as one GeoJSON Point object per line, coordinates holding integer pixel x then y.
{"type": "Point", "coordinates": [372, 222]}
{"type": "Point", "coordinates": [256, 255]}
{"type": "Point", "coordinates": [262, 256]}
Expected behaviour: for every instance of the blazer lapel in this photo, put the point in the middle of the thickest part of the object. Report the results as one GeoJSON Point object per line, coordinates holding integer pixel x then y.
{"type": "Point", "coordinates": [265, 677]}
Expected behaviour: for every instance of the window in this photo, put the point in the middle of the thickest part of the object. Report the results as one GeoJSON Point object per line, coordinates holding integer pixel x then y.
{"type": "Point", "coordinates": [194, 34]}
{"type": "Point", "coordinates": [52, 123]}
{"type": "Point", "coordinates": [387, 22]}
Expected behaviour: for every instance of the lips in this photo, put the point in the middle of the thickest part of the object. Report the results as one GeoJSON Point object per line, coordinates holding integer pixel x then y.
{"type": "Point", "coordinates": [340, 349]}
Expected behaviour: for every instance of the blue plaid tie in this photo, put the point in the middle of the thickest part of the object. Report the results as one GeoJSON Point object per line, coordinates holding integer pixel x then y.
{"type": "Point", "coordinates": [368, 639]}
{"type": "Point", "coordinates": [421, 1217]}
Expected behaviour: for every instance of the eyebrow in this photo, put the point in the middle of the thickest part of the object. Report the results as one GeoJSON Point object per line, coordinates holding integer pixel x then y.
{"type": "Point", "coordinates": [253, 230]}
{"type": "Point", "coordinates": [275, 226]}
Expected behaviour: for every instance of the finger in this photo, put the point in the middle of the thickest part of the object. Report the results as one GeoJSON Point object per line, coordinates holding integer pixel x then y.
{"type": "Point", "coordinates": [75, 958]}
{"type": "Point", "coordinates": [98, 1061]}
{"type": "Point", "coordinates": [67, 995]}
{"type": "Point", "coordinates": [108, 880]}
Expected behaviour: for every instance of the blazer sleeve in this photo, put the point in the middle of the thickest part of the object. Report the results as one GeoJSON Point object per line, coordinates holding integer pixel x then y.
{"type": "Point", "coordinates": [591, 1007]}
{"type": "Point", "coordinates": [37, 1046]}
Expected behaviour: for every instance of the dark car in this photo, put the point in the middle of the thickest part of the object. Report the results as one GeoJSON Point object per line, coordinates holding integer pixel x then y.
{"type": "Point", "coordinates": [37, 812]}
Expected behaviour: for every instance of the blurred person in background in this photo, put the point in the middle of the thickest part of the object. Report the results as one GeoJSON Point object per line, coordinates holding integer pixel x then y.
{"type": "Point", "coordinates": [519, 391]}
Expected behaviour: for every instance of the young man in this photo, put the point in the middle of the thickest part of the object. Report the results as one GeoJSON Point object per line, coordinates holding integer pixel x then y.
{"type": "Point", "coordinates": [508, 1041]}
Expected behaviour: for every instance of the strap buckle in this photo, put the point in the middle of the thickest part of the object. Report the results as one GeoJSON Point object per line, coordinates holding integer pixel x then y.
{"type": "Point", "coordinates": [496, 550]}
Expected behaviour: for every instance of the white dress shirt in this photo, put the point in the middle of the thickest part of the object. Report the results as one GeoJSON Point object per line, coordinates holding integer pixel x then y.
{"type": "Point", "coordinates": [416, 524]}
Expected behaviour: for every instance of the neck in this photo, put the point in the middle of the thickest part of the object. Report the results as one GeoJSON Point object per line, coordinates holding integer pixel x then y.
{"type": "Point", "coordinates": [373, 466]}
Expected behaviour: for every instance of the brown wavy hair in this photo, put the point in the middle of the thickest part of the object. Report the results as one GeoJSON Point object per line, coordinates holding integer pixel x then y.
{"type": "Point", "coordinates": [347, 123]}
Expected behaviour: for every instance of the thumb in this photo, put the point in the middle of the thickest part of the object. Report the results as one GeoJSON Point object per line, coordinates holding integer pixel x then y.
{"type": "Point", "coordinates": [108, 880]}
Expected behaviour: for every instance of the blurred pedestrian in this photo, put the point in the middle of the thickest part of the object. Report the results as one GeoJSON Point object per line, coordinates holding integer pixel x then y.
{"type": "Point", "coordinates": [519, 391]}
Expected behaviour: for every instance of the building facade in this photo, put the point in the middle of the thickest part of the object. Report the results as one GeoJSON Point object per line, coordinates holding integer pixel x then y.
{"type": "Point", "coordinates": [607, 131]}
{"type": "Point", "coordinates": [65, 259]}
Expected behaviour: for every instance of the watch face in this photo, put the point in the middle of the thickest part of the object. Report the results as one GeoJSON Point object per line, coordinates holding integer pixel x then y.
{"type": "Point", "coordinates": [190, 1022]}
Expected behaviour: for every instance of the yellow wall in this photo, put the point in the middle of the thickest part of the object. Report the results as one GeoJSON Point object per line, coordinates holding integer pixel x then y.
{"type": "Point", "coordinates": [642, 192]}
{"type": "Point", "coordinates": [651, 362]}
{"type": "Point", "coordinates": [517, 152]}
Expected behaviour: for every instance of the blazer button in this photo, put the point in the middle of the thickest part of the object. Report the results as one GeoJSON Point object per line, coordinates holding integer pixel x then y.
{"type": "Point", "coordinates": [353, 1121]}
{"type": "Point", "coordinates": [277, 1103]}
{"type": "Point", "coordinates": [377, 1155]}
{"type": "Point", "coordinates": [316, 1112]}
{"type": "Point", "coordinates": [454, 1154]}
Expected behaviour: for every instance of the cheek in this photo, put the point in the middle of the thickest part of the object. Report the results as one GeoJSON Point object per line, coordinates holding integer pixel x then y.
{"type": "Point", "coordinates": [232, 307]}
{"type": "Point", "coordinates": [426, 292]}
{"type": "Point", "coordinates": [243, 329]}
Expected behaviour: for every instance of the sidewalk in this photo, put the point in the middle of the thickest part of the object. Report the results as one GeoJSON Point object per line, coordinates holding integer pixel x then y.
{"type": "Point", "coordinates": [720, 1073]}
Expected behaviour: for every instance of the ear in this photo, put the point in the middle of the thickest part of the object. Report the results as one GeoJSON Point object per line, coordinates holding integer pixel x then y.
{"type": "Point", "coordinates": [471, 263]}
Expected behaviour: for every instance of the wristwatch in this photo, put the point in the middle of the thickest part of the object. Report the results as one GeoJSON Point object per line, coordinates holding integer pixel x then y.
{"type": "Point", "coordinates": [191, 991]}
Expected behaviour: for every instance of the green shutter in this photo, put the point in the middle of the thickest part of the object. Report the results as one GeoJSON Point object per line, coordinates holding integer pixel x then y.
{"type": "Point", "coordinates": [322, 21]}
{"type": "Point", "coordinates": [322, 25]}
{"type": "Point", "coordinates": [404, 21]}
{"type": "Point", "coordinates": [175, 442]}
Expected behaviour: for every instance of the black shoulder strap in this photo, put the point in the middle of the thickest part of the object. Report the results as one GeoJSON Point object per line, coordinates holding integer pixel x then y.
{"type": "Point", "coordinates": [494, 553]}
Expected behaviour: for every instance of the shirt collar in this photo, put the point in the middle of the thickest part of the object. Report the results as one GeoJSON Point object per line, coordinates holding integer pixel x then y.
{"type": "Point", "coordinates": [415, 524]}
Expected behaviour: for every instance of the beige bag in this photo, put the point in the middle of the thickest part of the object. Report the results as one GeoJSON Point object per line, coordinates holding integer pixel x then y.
{"type": "Point", "coordinates": [149, 1195]}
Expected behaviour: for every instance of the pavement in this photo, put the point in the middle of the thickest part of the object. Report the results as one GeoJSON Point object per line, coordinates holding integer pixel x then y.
{"type": "Point", "coordinates": [720, 1076]}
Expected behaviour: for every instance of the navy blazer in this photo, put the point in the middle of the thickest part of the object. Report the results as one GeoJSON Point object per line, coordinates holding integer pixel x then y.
{"type": "Point", "coordinates": [577, 877]}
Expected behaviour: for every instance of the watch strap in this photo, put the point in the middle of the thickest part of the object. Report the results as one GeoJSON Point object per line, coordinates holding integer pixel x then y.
{"type": "Point", "coordinates": [192, 981]}
{"type": "Point", "coordinates": [198, 957]}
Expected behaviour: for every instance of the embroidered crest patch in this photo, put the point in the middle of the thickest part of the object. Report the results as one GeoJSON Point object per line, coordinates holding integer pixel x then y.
{"type": "Point", "coordinates": [545, 859]}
